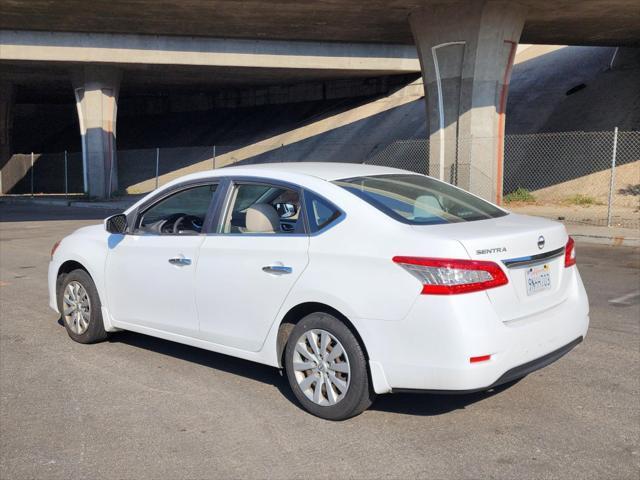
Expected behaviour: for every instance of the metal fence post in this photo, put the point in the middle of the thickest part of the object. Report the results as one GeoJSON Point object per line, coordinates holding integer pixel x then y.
{"type": "Point", "coordinates": [613, 176]}
{"type": "Point", "coordinates": [157, 166]}
{"type": "Point", "coordinates": [66, 178]}
{"type": "Point", "coordinates": [214, 157]}
{"type": "Point", "coordinates": [32, 174]}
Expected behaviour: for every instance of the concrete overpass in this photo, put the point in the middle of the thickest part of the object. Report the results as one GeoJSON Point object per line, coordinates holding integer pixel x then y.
{"type": "Point", "coordinates": [577, 22]}
{"type": "Point", "coordinates": [465, 51]}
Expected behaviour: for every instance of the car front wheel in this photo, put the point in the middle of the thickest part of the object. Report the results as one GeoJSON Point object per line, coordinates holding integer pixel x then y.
{"type": "Point", "coordinates": [80, 308]}
{"type": "Point", "coordinates": [327, 369]}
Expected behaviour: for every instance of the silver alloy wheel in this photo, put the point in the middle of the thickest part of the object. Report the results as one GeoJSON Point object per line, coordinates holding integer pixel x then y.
{"type": "Point", "coordinates": [321, 367]}
{"type": "Point", "coordinates": [76, 307]}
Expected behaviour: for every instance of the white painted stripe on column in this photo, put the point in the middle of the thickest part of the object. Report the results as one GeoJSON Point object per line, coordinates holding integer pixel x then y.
{"type": "Point", "coordinates": [441, 101]}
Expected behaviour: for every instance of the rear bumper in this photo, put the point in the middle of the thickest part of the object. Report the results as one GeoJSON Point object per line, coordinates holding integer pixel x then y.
{"type": "Point", "coordinates": [510, 375]}
{"type": "Point", "coordinates": [431, 348]}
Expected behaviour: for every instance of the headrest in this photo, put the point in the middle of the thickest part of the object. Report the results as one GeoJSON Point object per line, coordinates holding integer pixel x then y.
{"type": "Point", "coordinates": [262, 218]}
{"type": "Point", "coordinates": [426, 206]}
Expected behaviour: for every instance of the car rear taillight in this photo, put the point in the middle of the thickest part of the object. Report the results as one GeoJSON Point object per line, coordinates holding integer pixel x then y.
{"type": "Point", "coordinates": [444, 276]}
{"type": "Point", "coordinates": [55, 247]}
{"type": "Point", "coordinates": [570, 253]}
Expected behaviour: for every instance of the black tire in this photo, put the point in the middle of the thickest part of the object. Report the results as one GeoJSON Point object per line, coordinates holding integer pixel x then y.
{"type": "Point", "coordinates": [359, 394]}
{"type": "Point", "coordinates": [95, 331]}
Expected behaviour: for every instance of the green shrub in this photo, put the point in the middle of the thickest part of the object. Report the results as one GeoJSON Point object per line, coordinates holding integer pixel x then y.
{"type": "Point", "coordinates": [581, 199]}
{"type": "Point", "coordinates": [519, 195]}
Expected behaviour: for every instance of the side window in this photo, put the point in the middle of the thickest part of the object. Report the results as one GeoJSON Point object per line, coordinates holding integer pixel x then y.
{"type": "Point", "coordinates": [182, 213]}
{"type": "Point", "coordinates": [320, 212]}
{"type": "Point", "coordinates": [263, 208]}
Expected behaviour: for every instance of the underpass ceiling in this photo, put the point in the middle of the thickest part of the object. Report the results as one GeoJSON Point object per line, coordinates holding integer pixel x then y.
{"type": "Point", "coordinates": [574, 22]}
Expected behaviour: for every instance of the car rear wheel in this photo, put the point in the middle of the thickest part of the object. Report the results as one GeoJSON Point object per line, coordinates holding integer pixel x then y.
{"type": "Point", "coordinates": [327, 369]}
{"type": "Point", "coordinates": [80, 308]}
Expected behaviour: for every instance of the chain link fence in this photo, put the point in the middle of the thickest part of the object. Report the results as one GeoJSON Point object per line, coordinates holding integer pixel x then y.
{"type": "Point", "coordinates": [412, 155]}
{"type": "Point", "coordinates": [585, 177]}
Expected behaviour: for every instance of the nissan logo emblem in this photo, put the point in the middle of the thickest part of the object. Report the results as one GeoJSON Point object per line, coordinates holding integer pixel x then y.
{"type": "Point", "coordinates": [540, 242]}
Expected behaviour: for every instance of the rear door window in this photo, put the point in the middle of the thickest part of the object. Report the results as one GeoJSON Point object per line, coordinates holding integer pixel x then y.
{"type": "Point", "coordinates": [262, 208]}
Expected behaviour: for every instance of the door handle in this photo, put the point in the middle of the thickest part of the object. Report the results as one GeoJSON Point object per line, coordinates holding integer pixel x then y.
{"type": "Point", "coordinates": [277, 269]}
{"type": "Point", "coordinates": [180, 261]}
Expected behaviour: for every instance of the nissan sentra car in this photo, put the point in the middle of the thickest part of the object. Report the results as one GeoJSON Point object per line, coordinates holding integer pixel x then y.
{"type": "Point", "coordinates": [356, 280]}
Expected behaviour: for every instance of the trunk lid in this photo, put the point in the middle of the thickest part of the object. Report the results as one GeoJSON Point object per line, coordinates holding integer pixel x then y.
{"type": "Point", "coordinates": [530, 250]}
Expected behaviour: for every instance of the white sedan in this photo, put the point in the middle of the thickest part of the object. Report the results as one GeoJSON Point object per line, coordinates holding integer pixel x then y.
{"type": "Point", "coordinates": [356, 280]}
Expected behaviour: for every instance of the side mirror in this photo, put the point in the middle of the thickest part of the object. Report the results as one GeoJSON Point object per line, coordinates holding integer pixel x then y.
{"type": "Point", "coordinates": [116, 224]}
{"type": "Point", "coordinates": [286, 210]}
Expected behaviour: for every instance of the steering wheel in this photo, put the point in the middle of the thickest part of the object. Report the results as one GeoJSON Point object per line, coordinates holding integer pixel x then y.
{"type": "Point", "coordinates": [195, 223]}
{"type": "Point", "coordinates": [172, 224]}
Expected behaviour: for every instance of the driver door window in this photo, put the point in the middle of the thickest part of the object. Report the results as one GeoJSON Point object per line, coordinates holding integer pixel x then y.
{"type": "Point", "coordinates": [183, 213]}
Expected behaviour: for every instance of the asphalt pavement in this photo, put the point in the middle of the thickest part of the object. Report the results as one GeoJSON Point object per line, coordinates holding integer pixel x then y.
{"type": "Point", "coordinates": [140, 407]}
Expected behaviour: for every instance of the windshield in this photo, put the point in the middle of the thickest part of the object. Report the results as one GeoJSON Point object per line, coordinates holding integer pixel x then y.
{"type": "Point", "coordinates": [419, 200]}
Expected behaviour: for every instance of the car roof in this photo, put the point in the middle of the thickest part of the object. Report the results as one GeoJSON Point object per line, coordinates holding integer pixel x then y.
{"type": "Point", "coordinates": [324, 170]}
{"type": "Point", "coordinates": [288, 171]}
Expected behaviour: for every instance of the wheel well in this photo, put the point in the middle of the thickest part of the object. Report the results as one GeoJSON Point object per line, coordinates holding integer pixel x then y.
{"type": "Point", "coordinates": [297, 313]}
{"type": "Point", "coordinates": [66, 268]}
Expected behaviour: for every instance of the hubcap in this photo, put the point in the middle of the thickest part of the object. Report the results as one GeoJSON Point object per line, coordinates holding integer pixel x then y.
{"type": "Point", "coordinates": [321, 367]}
{"type": "Point", "coordinates": [77, 307]}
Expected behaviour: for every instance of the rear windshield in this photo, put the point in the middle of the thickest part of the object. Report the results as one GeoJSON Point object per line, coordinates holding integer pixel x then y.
{"type": "Point", "coordinates": [419, 200]}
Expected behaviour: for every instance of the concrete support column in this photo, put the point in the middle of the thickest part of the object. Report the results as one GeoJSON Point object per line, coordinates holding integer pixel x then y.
{"type": "Point", "coordinates": [466, 51]}
{"type": "Point", "coordinates": [96, 89]}
{"type": "Point", "coordinates": [6, 125]}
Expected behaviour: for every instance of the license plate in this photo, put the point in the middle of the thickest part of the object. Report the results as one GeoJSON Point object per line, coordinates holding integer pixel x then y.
{"type": "Point", "coordinates": [538, 279]}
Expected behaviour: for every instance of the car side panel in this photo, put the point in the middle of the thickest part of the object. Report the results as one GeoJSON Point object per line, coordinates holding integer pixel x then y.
{"type": "Point", "coordinates": [350, 270]}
